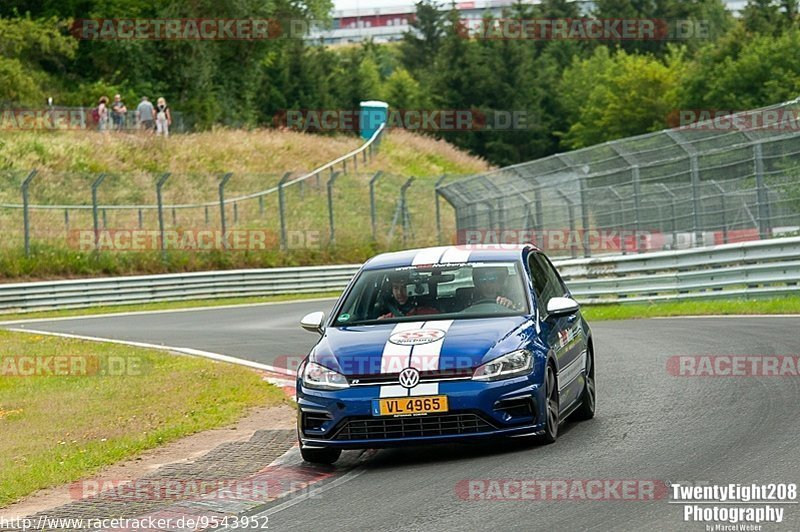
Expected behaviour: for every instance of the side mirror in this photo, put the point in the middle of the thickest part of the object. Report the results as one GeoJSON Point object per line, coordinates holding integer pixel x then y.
{"type": "Point", "coordinates": [562, 306]}
{"type": "Point", "coordinates": [313, 322]}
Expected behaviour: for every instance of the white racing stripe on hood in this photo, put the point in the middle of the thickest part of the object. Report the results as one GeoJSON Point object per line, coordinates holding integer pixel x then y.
{"type": "Point", "coordinates": [395, 357]}
{"type": "Point", "coordinates": [424, 357]}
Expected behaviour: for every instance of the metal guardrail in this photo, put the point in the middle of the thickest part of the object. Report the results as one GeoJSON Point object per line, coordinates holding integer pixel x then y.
{"type": "Point", "coordinates": [751, 269]}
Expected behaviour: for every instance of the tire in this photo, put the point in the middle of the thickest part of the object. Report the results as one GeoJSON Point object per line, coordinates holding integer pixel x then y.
{"type": "Point", "coordinates": [325, 455]}
{"type": "Point", "coordinates": [551, 407]}
{"type": "Point", "coordinates": [589, 395]}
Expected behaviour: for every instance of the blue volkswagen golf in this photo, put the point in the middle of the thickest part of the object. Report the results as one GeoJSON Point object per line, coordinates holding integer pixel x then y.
{"type": "Point", "coordinates": [442, 345]}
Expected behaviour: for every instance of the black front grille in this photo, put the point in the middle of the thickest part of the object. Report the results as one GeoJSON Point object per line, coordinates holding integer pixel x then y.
{"type": "Point", "coordinates": [366, 428]}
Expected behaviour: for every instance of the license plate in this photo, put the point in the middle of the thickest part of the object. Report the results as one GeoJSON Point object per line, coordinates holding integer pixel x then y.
{"type": "Point", "coordinates": [398, 406]}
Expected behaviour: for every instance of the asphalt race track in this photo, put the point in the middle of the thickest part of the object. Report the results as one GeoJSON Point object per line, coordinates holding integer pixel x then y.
{"type": "Point", "coordinates": [650, 426]}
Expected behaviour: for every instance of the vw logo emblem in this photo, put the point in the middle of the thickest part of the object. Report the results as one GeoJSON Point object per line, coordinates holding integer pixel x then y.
{"type": "Point", "coordinates": [409, 378]}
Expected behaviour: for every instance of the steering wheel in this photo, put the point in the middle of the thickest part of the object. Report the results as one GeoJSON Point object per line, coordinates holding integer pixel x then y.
{"type": "Point", "coordinates": [486, 305]}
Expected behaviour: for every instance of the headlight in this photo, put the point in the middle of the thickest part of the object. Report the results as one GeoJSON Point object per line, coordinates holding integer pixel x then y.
{"type": "Point", "coordinates": [510, 365]}
{"type": "Point", "coordinates": [322, 378]}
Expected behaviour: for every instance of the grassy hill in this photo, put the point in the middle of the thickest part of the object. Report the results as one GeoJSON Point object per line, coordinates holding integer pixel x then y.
{"type": "Point", "coordinates": [68, 163]}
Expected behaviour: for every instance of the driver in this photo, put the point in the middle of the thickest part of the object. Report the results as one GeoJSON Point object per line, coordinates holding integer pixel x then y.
{"type": "Point", "coordinates": [490, 285]}
{"type": "Point", "coordinates": [400, 303]}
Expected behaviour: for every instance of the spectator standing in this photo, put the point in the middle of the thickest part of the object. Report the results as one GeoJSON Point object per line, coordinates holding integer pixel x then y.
{"type": "Point", "coordinates": [163, 117]}
{"type": "Point", "coordinates": [118, 111]}
{"type": "Point", "coordinates": [102, 114]}
{"type": "Point", "coordinates": [145, 114]}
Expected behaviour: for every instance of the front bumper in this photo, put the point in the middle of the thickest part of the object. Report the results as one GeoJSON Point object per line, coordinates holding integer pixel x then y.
{"type": "Point", "coordinates": [477, 410]}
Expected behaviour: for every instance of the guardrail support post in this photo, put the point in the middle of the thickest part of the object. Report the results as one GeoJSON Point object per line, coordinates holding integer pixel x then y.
{"type": "Point", "coordinates": [282, 207]}
{"type": "Point", "coordinates": [332, 238]}
{"type": "Point", "coordinates": [438, 209]}
{"type": "Point", "coordinates": [764, 228]}
{"type": "Point", "coordinates": [26, 227]}
{"type": "Point", "coordinates": [159, 199]}
{"type": "Point", "coordinates": [372, 209]}
{"type": "Point", "coordinates": [223, 181]}
{"type": "Point", "coordinates": [97, 182]}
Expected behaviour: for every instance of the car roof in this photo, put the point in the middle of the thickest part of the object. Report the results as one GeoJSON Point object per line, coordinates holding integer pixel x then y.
{"type": "Point", "coordinates": [448, 254]}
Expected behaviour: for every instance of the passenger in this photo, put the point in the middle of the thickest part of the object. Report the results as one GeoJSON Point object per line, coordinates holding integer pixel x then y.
{"type": "Point", "coordinates": [400, 303]}
{"type": "Point", "coordinates": [490, 284]}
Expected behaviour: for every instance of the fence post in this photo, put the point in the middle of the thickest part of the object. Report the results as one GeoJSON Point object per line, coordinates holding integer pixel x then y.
{"type": "Point", "coordinates": [637, 206]}
{"type": "Point", "coordinates": [235, 213]}
{"type": "Point", "coordinates": [724, 208]}
{"type": "Point", "coordinates": [26, 226]}
{"type": "Point", "coordinates": [372, 210]}
{"type": "Point", "coordinates": [355, 163]}
{"type": "Point", "coordinates": [206, 213]}
{"type": "Point", "coordinates": [66, 221]}
{"type": "Point", "coordinates": [95, 185]}
{"type": "Point", "coordinates": [141, 219]}
{"type": "Point", "coordinates": [261, 205]}
{"type": "Point", "coordinates": [622, 245]}
{"type": "Point", "coordinates": [174, 217]}
{"type": "Point", "coordinates": [438, 209]}
{"type": "Point", "coordinates": [404, 208]}
{"type": "Point", "coordinates": [571, 211]}
{"type": "Point", "coordinates": [694, 167]}
{"type": "Point", "coordinates": [587, 252]}
{"type": "Point", "coordinates": [222, 182]}
{"type": "Point", "coordinates": [761, 193]}
{"type": "Point", "coordinates": [282, 207]}
{"type": "Point", "coordinates": [159, 185]}
{"type": "Point", "coordinates": [332, 237]}
{"type": "Point", "coordinates": [674, 224]}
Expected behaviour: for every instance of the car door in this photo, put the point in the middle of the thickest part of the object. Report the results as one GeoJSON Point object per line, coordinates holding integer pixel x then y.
{"type": "Point", "coordinates": [564, 334]}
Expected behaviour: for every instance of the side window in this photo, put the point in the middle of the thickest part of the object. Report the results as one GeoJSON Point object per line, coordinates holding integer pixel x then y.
{"type": "Point", "coordinates": [539, 278]}
{"type": "Point", "coordinates": [558, 284]}
{"type": "Point", "coordinates": [551, 285]}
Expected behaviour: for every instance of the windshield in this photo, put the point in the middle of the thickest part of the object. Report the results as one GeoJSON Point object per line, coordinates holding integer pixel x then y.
{"type": "Point", "coordinates": [438, 291]}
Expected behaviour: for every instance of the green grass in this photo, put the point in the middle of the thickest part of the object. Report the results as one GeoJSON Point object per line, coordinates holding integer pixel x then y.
{"type": "Point", "coordinates": [57, 429]}
{"type": "Point", "coordinates": [166, 305]}
{"type": "Point", "coordinates": [781, 305]}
